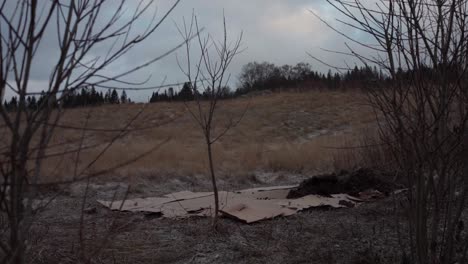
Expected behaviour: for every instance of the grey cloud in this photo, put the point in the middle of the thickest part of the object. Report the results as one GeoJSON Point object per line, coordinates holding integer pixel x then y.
{"type": "Point", "coordinates": [274, 30]}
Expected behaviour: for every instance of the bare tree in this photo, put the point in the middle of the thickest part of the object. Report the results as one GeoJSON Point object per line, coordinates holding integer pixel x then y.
{"type": "Point", "coordinates": [82, 28]}
{"type": "Point", "coordinates": [422, 110]}
{"type": "Point", "coordinates": [208, 77]}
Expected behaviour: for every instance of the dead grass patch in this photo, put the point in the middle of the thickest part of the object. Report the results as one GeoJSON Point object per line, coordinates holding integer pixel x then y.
{"type": "Point", "coordinates": [280, 132]}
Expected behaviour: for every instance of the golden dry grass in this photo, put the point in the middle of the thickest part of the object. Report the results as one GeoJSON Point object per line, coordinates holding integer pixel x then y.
{"type": "Point", "coordinates": [280, 131]}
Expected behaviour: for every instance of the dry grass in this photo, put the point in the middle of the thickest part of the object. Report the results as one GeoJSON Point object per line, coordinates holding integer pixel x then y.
{"type": "Point", "coordinates": [291, 132]}
{"type": "Point", "coordinates": [280, 131]}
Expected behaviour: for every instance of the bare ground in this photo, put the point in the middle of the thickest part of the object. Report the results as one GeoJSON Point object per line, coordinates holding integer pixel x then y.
{"type": "Point", "coordinates": [365, 234]}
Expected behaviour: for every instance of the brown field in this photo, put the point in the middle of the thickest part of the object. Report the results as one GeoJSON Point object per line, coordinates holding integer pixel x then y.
{"type": "Point", "coordinates": [283, 138]}
{"type": "Point", "coordinates": [295, 132]}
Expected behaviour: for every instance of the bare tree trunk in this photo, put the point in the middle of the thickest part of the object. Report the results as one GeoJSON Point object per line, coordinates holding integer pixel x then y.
{"type": "Point", "coordinates": [213, 183]}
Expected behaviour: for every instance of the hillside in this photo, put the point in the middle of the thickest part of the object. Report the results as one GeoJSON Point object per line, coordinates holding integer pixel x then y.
{"type": "Point", "coordinates": [277, 132]}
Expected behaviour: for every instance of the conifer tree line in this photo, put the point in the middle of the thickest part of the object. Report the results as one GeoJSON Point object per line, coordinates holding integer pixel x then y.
{"type": "Point", "coordinates": [257, 76]}
{"type": "Point", "coordinates": [254, 76]}
{"type": "Point", "coordinates": [187, 93]}
{"type": "Point", "coordinates": [86, 96]}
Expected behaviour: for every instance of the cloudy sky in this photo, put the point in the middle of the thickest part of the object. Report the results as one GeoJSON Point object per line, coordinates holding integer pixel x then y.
{"type": "Point", "coordinates": [277, 31]}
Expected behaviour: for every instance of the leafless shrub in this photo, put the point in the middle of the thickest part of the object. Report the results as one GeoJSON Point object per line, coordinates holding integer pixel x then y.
{"type": "Point", "coordinates": [208, 79]}
{"type": "Point", "coordinates": [422, 110]}
{"type": "Point", "coordinates": [82, 27]}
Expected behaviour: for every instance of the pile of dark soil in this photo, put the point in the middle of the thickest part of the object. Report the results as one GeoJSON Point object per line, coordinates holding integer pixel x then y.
{"type": "Point", "coordinates": [351, 183]}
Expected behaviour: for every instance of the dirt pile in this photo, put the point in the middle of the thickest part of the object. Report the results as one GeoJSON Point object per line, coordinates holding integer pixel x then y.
{"type": "Point", "coordinates": [351, 183]}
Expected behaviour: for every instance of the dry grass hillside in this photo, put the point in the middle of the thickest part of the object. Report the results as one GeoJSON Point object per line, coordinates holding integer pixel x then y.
{"type": "Point", "coordinates": [283, 138]}
{"type": "Point", "coordinates": [294, 132]}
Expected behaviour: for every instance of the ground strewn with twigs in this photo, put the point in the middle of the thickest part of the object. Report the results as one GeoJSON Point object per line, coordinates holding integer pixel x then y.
{"type": "Point", "coordinates": [283, 138]}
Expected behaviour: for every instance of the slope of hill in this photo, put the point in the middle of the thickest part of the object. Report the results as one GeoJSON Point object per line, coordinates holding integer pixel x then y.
{"type": "Point", "coordinates": [278, 132]}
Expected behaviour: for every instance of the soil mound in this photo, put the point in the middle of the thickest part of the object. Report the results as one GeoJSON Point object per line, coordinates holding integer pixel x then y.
{"type": "Point", "coordinates": [351, 183]}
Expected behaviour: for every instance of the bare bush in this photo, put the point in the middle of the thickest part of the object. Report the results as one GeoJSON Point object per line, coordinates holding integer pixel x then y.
{"type": "Point", "coordinates": [81, 28]}
{"type": "Point", "coordinates": [208, 80]}
{"type": "Point", "coordinates": [422, 111]}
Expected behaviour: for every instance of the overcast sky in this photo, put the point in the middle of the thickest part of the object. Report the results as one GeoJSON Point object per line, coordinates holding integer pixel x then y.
{"type": "Point", "coordinates": [277, 31]}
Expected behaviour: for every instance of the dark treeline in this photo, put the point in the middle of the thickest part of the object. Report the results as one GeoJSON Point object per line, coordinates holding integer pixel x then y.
{"type": "Point", "coordinates": [187, 93]}
{"type": "Point", "coordinates": [72, 98]}
{"type": "Point", "coordinates": [256, 76]}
